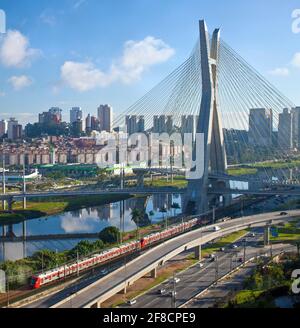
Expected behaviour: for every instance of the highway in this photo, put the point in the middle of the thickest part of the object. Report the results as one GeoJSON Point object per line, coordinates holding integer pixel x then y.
{"type": "Point", "coordinates": [196, 279]}
{"type": "Point", "coordinates": [219, 293]}
{"type": "Point", "coordinates": [116, 281]}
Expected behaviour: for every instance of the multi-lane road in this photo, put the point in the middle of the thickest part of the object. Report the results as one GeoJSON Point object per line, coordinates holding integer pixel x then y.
{"type": "Point", "coordinates": [195, 279]}
{"type": "Point", "coordinates": [114, 282]}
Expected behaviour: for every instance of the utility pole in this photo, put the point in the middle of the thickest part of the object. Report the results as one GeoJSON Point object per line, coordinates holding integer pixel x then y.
{"type": "Point", "coordinates": [77, 263]}
{"type": "Point", "coordinates": [174, 291]}
{"type": "Point", "coordinates": [7, 288]}
{"type": "Point", "coordinates": [3, 176]}
{"type": "Point", "coordinates": [245, 241]}
{"type": "Point", "coordinates": [217, 268]}
{"type": "Point", "coordinates": [24, 179]}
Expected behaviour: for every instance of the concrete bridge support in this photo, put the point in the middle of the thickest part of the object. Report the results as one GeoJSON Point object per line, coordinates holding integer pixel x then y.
{"type": "Point", "coordinates": [198, 252]}
{"type": "Point", "coordinates": [267, 236]}
{"type": "Point", "coordinates": [153, 273]}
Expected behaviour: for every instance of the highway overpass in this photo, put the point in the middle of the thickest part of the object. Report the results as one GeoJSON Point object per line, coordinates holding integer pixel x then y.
{"type": "Point", "coordinates": [95, 294]}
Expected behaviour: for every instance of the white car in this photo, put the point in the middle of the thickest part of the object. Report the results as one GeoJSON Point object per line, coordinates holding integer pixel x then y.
{"type": "Point", "coordinates": [201, 265]}
{"type": "Point", "coordinates": [217, 228]}
{"type": "Point", "coordinates": [176, 280]}
{"type": "Point", "coordinates": [131, 302]}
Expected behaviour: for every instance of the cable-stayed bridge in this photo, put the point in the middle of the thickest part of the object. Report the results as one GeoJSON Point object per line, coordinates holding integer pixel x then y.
{"type": "Point", "coordinates": [220, 88]}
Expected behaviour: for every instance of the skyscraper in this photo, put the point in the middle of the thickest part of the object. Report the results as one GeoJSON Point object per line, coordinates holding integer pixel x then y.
{"type": "Point", "coordinates": [135, 124]}
{"type": "Point", "coordinates": [3, 127]}
{"type": "Point", "coordinates": [285, 131]}
{"type": "Point", "coordinates": [260, 127]}
{"type": "Point", "coordinates": [296, 127]}
{"type": "Point", "coordinates": [14, 129]}
{"type": "Point", "coordinates": [105, 116]}
{"type": "Point", "coordinates": [75, 114]}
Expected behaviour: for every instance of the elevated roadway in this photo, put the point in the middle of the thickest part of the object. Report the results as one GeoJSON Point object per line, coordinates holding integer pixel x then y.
{"type": "Point", "coordinates": [95, 294]}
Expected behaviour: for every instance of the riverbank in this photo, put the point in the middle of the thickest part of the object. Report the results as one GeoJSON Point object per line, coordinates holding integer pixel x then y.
{"type": "Point", "coordinates": [38, 208]}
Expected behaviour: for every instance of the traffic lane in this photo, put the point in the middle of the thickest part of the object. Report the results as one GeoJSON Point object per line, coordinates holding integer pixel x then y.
{"type": "Point", "coordinates": [105, 286]}
{"type": "Point", "coordinates": [208, 275]}
{"type": "Point", "coordinates": [190, 285]}
{"type": "Point", "coordinates": [223, 289]}
{"type": "Point", "coordinates": [189, 277]}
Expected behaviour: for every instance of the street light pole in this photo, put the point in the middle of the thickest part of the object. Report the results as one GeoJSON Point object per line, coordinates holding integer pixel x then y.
{"type": "Point", "coordinates": [24, 179]}
{"type": "Point", "coordinates": [245, 250]}
{"type": "Point", "coordinates": [3, 176]}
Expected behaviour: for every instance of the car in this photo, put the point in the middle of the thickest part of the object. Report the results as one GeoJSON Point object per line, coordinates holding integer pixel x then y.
{"type": "Point", "coordinates": [253, 234]}
{"type": "Point", "coordinates": [217, 228]}
{"type": "Point", "coordinates": [222, 249]}
{"type": "Point", "coordinates": [212, 256]}
{"type": "Point", "coordinates": [131, 302]}
{"type": "Point", "coordinates": [162, 291]}
{"type": "Point", "coordinates": [241, 260]}
{"type": "Point", "coordinates": [176, 280]}
{"type": "Point", "coordinates": [201, 265]}
{"type": "Point", "coordinates": [283, 213]}
{"type": "Point", "coordinates": [234, 246]}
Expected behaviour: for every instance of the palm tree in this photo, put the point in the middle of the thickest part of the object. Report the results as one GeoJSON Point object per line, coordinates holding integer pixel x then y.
{"type": "Point", "coordinates": [136, 215]}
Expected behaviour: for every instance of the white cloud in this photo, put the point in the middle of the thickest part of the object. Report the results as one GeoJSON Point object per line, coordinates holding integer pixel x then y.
{"type": "Point", "coordinates": [15, 50]}
{"type": "Point", "coordinates": [296, 60]}
{"type": "Point", "coordinates": [82, 76]}
{"type": "Point", "coordinates": [281, 71]}
{"type": "Point", "coordinates": [78, 3]}
{"type": "Point", "coordinates": [136, 59]}
{"type": "Point", "coordinates": [20, 82]}
{"type": "Point", "coordinates": [48, 18]}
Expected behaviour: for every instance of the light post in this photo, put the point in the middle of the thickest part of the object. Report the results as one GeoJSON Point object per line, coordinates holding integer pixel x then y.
{"type": "Point", "coordinates": [3, 176]}
{"type": "Point", "coordinates": [7, 288]}
{"type": "Point", "coordinates": [217, 268]}
{"type": "Point", "coordinates": [77, 254]}
{"type": "Point", "coordinates": [24, 179]}
{"type": "Point", "coordinates": [245, 241]}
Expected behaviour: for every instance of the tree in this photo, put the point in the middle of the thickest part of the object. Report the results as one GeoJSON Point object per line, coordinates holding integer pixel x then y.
{"type": "Point", "coordinates": [136, 216]}
{"type": "Point", "coordinates": [110, 235]}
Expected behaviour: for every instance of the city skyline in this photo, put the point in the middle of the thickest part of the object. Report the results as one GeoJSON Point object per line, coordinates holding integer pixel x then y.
{"type": "Point", "coordinates": [122, 86]}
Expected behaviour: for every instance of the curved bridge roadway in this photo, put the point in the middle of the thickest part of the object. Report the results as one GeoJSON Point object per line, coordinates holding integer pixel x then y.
{"type": "Point", "coordinates": [95, 294]}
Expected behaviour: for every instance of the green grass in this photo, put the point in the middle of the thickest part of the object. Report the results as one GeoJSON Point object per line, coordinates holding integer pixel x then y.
{"type": "Point", "coordinates": [278, 164]}
{"type": "Point", "coordinates": [179, 182]}
{"type": "Point", "coordinates": [289, 232]}
{"type": "Point", "coordinates": [242, 171]}
{"type": "Point", "coordinates": [223, 242]}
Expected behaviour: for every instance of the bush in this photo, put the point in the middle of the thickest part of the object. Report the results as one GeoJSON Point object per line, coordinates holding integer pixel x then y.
{"type": "Point", "coordinates": [110, 235]}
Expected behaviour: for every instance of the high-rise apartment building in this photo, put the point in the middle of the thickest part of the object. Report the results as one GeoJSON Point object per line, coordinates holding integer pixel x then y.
{"type": "Point", "coordinates": [3, 127]}
{"type": "Point", "coordinates": [14, 129]}
{"type": "Point", "coordinates": [285, 131]}
{"type": "Point", "coordinates": [105, 117]}
{"type": "Point", "coordinates": [75, 114]}
{"type": "Point", "coordinates": [260, 127]}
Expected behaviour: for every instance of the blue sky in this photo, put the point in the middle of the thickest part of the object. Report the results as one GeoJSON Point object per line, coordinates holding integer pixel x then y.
{"type": "Point", "coordinates": [87, 52]}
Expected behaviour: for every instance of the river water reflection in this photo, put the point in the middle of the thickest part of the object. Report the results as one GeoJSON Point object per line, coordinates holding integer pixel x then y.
{"type": "Point", "coordinates": [85, 221]}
